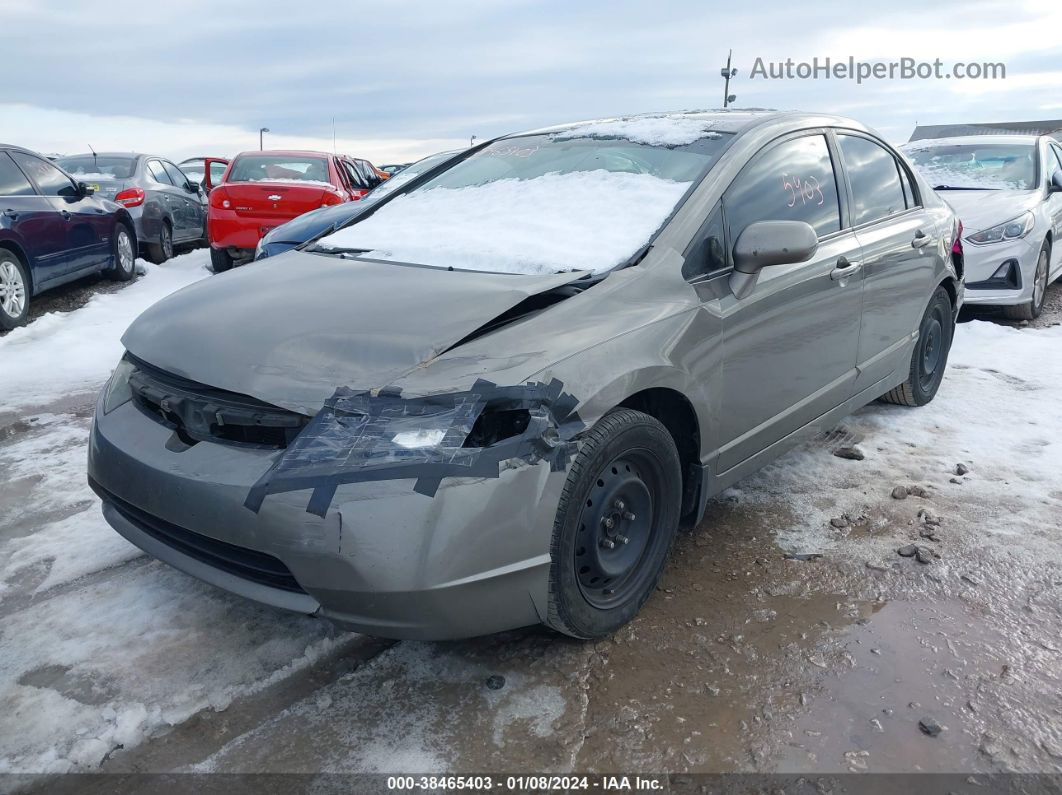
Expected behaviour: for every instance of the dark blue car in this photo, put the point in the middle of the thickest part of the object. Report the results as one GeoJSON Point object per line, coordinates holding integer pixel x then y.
{"type": "Point", "coordinates": [324, 219]}
{"type": "Point", "coordinates": [52, 231]}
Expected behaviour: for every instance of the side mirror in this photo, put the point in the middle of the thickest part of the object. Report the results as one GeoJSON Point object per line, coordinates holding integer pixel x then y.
{"type": "Point", "coordinates": [85, 190]}
{"type": "Point", "coordinates": [1055, 185]}
{"type": "Point", "coordinates": [767, 243]}
{"type": "Point", "coordinates": [191, 187]}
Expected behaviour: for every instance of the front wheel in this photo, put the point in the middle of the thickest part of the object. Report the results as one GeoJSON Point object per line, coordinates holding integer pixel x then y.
{"type": "Point", "coordinates": [1032, 309]}
{"type": "Point", "coordinates": [124, 266]}
{"type": "Point", "coordinates": [930, 357]}
{"type": "Point", "coordinates": [615, 523]}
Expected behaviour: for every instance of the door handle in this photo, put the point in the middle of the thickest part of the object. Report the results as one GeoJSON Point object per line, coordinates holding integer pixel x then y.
{"type": "Point", "coordinates": [921, 240]}
{"type": "Point", "coordinates": [65, 214]}
{"type": "Point", "coordinates": [11, 214]}
{"type": "Point", "coordinates": [844, 269]}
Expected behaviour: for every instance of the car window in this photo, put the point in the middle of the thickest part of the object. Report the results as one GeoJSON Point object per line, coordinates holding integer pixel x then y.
{"type": "Point", "coordinates": [908, 188]}
{"type": "Point", "coordinates": [217, 170]}
{"type": "Point", "coordinates": [790, 181]}
{"type": "Point", "coordinates": [875, 177]}
{"type": "Point", "coordinates": [1058, 155]}
{"type": "Point", "coordinates": [357, 181]}
{"type": "Point", "coordinates": [177, 177]}
{"type": "Point", "coordinates": [158, 173]}
{"type": "Point", "coordinates": [988, 165]}
{"type": "Point", "coordinates": [278, 168]}
{"type": "Point", "coordinates": [12, 181]}
{"type": "Point", "coordinates": [50, 180]}
{"type": "Point", "coordinates": [86, 167]}
{"type": "Point", "coordinates": [707, 255]}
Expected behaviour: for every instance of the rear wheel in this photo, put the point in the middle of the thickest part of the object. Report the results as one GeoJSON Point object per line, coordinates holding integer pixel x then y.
{"type": "Point", "coordinates": [930, 357]}
{"type": "Point", "coordinates": [124, 267]}
{"type": "Point", "coordinates": [1032, 309]}
{"type": "Point", "coordinates": [615, 523]}
{"type": "Point", "coordinates": [14, 291]}
{"type": "Point", "coordinates": [220, 260]}
{"type": "Point", "coordinates": [163, 250]}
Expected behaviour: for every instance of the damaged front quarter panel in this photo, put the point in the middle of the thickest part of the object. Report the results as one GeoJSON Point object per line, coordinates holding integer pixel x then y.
{"type": "Point", "coordinates": [372, 436]}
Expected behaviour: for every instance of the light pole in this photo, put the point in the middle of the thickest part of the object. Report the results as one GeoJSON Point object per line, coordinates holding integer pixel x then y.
{"type": "Point", "coordinates": [727, 73]}
{"type": "Point", "coordinates": [260, 131]}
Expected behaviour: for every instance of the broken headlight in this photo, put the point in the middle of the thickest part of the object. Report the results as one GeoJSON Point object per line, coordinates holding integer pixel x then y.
{"type": "Point", "coordinates": [117, 390]}
{"type": "Point", "coordinates": [1011, 230]}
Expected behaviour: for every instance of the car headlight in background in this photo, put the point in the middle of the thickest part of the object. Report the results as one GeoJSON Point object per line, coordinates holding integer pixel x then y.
{"type": "Point", "coordinates": [1011, 230]}
{"type": "Point", "coordinates": [117, 390]}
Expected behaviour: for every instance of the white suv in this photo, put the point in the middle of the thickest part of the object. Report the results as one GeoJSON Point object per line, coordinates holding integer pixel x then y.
{"type": "Point", "coordinates": [1007, 190]}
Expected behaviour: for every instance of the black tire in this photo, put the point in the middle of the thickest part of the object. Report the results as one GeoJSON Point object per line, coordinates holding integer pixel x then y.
{"type": "Point", "coordinates": [624, 483]}
{"type": "Point", "coordinates": [14, 290]}
{"type": "Point", "coordinates": [163, 250]}
{"type": "Point", "coordinates": [220, 260]}
{"type": "Point", "coordinates": [123, 268]}
{"type": "Point", "coordinates": [1031, 309]}
{"type": "Point", "coordinates": [930, 357]}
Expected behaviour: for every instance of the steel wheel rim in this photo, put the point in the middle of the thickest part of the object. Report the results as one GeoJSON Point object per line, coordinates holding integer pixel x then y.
{"type": "Point", "coordinates": [617, 530]}
{"type": "Point", "coordinates": [167, 242]}
{"type": "Point", "coordinates": [125, 251]}
{"type": "Point", "coordinates": [12, 289]}
{"type": "Point", "coordinates": [1040, 280]}
{"type": "Point", "coordinates": [932, 349]}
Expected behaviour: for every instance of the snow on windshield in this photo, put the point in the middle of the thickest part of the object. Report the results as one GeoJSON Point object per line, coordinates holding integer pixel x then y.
{"type": "Point", "coordinates": [583, 220]}
{"type": "Point", "coordinates": [663, 130]}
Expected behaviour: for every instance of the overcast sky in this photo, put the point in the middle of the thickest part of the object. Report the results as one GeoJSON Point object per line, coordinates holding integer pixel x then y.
{"type": "Point", "coordinates": [404, 79]}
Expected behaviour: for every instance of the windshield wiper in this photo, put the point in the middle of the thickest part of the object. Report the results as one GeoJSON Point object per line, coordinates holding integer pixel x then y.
{"type": "Point", "coordinates": [338, 252]}
{"type": "Point", "coordinates": [955, 187]}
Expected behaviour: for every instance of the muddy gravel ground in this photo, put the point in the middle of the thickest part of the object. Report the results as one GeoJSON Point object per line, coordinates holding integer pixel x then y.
{"type": "Point", "coordinates": [753, 655]}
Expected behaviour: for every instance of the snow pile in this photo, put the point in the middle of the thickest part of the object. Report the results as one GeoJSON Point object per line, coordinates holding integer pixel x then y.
{"type": "Point", "coordinates": [586, 220]}
{"type": "Point", "coordinates": [994, 412]}
{"type": "Point", "coordinates": [64, 352]}
{"type": "Point", "coordinates": [663, 130]}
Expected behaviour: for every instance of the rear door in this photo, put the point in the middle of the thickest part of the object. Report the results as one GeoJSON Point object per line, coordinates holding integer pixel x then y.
{"type": "Point", "coordinates": [789, 347]}
{"type": "Point", "coordinates": [161, 201]}
{"type": "Point", "coordinates": [30, 220]}
{"type": "Point", "coordinates": [900, 252]}
{"type": "Point", "coordinates": [86, 227]}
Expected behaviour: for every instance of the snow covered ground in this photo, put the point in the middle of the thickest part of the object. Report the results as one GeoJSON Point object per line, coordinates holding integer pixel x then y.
{"type": "Point", "coordinates": [103, 649]}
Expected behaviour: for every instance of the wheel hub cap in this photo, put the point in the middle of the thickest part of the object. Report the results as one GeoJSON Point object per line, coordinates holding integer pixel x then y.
{"type": "Point", "coordinates": [12, 289]}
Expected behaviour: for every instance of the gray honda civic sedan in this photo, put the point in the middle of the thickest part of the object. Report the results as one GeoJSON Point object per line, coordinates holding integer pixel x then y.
{"type": "Point", "coordinates": [492, 400]}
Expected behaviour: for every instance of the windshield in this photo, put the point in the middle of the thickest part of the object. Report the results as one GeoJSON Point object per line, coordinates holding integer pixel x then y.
{"type": "Point", "coordinates": [193, 168]}
{"type": "Point", "coordinates": [537, 204]}
{"type": "Point", "coordinates": [976, 166]}
{"type": "Point", "coordinates": [279, 168]}
{"type": "Point", "coordinates": [84, 167]}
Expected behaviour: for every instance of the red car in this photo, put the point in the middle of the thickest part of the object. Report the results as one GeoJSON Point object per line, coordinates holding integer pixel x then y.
{"type": "Point", "coordinates": [261, 190]}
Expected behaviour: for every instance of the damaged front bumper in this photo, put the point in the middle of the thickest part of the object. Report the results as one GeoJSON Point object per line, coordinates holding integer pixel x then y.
{"type": "Point", "coordinates": [417, 541]}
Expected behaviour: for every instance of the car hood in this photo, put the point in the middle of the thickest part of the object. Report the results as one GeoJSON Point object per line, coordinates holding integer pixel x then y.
{"type": "Point", "coordinates": [307, 225]}
{"type": "Point", "coordinates": [292, 329]}
{"type": "Point", "coordinates": [982, 209]}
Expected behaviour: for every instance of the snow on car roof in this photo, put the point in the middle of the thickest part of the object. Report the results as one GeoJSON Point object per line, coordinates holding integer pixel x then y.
{"type": "Point", "coordinates": [584, 220]}
{"type": "Point", "coordinates": [667, 129]}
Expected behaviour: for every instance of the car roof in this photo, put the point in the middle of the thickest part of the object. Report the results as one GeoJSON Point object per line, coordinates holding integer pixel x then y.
{"type": "Point", "coordinates": [285, 152]}
{"type": "Point", "coordinates": [721, 120]}
{"type": "Point", "coordinates": [928, 143]}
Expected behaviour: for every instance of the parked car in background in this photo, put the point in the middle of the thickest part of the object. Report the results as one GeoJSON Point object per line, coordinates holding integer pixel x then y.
{"type": "Point", "coordinates": [393, 168]}
{"type": "Point", "coordinates": [491, 401]}
{"type": "Point", "coordinates": [53, 229]}
{"type": "Point", "coordinates": [1007, 189]}
{"type": "Point", "coordinates": [207, 171]}
{"type": "Point", "coordinates": [262, 190]}
{"type": "Point", "coordinates": [167, 207]}
{"type": "Point", "coordinates": [324, 219]}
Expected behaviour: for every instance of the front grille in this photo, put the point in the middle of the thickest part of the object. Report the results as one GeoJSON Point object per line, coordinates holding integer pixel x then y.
{"type": "Point", "coordinates": [248, 564]}
{"type": "Point", "coordinates": [198, 412]}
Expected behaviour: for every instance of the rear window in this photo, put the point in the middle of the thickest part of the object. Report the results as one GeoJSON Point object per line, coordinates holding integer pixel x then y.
{"type": "Point", "coordinates": [975, 166]}
{"type": "Point", "coordinates": [88, 167]}
{"type": "Point", "coordinates": [274, 168]}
